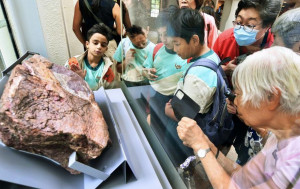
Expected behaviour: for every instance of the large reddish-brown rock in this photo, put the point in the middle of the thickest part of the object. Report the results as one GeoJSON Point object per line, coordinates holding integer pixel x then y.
{"type": "Point", "coordinates": [49, 110]}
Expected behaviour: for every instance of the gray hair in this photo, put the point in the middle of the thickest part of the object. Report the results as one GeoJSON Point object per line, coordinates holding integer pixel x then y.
{"type": "Point", "coordinates": [287, 26]}
{"type": "Point", "coordinates": [263, 72]}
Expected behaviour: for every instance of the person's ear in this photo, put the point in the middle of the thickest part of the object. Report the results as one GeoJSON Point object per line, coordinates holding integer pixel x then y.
{"type": "Point", "coordinates": [146, 30]}
{"type": "Point", "coordinates": [274, 100]}
{"type": "Point", "coordinates": [195, 39]}
{"type": "Point", "coordinates": [87, 45]}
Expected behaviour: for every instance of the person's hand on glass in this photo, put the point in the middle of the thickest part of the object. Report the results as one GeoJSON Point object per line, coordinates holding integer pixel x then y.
{"type": "Point", "coordinates": [191, 134]}
{"type": "Point", "coordinates": [129, 57]}
{"type": "Point", "coordinates": [79, 71]}
{"type": "Point", "coordinates": [149, 73]}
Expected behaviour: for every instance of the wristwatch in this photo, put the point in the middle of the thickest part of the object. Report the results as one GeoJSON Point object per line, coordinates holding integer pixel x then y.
{"type": "Point", "coordinates": [202, 152]}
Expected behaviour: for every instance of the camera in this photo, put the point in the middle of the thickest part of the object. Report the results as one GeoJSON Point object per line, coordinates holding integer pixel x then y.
{"type": "Point", "coordinates": [230, 95]}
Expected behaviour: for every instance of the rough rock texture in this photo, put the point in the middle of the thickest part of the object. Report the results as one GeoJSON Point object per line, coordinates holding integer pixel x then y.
{"type": "Point", "coordinates": [49, 110]}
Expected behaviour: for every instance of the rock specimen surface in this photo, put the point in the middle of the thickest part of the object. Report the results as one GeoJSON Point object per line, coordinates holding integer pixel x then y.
{"type": "Point", "coordinates": [49, 110]}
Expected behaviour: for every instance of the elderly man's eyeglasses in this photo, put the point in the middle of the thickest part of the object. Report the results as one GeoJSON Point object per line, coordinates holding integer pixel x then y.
{"type": "Point", "coordinates": [247, 28]}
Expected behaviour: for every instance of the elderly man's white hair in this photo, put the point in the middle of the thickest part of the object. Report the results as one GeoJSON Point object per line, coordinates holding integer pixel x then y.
{"type": "Point", "coordinates": [264, 71]}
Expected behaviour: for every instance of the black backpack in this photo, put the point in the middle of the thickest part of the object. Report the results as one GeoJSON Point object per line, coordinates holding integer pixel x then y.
{"type": "Point", "coordinates": [216, 123]}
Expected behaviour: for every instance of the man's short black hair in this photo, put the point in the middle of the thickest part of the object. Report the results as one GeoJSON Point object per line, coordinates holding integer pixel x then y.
{"type": "Point", "coordinates": [185, 23]}
{"type": "Point", "coordinates": [102, 29]}
{"type": "Point", "coordinates": [135, 30]}
{"type": "Point", "coordinates": [268, 9]}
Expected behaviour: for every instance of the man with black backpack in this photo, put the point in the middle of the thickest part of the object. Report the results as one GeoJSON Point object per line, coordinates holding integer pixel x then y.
{"type": "Point", "coordinates": [202, 85]}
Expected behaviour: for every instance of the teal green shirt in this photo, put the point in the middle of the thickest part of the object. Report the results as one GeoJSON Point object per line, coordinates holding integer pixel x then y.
{"type": "Point", "coordinates": [166, 63]}
{"type": "Point", "coordinates": [93, 75]}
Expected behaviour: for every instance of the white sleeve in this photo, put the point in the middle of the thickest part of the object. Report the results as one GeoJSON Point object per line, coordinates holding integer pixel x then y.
{"type": "Point", "coordinates": [199, 91]}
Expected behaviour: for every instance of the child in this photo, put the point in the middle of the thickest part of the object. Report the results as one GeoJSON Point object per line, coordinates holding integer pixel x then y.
{"type": "Point", "coordinates": [204, 85]}
{"type": "Point", "coordinates": [165, 65]}
{"type": "Point", "coordinates": [164, 69]}
{"type": "Point", "coordinates": [188, 38]}
{"type": "Point", "coordinates": [133, 51]}
{"type": "Point", "coordinates": [93, 66]}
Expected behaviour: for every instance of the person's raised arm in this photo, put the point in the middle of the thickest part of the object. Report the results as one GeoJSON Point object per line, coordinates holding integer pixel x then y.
{"type": "Point", "coordinates": [218, 170]}
{"type": "Point", "coordinates": [77, 23]}
{"type": "Point", "coordinates": [117, 16]}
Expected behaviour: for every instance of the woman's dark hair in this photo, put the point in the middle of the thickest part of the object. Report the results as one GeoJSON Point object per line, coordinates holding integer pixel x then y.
{"type": "Point", "coordinates": [209, 10]}
{"type": "Point", "coordinates": [268, 9]}
{"type": "Point", "coordinates": [102, 29]}
{"type": "Point", "coordinates": [198, 3]}
{"type": "Point", "coordinates": [134, 30]}
{"type": "Point", "coordinates": [185, 23]}
{"type": "Point", "coordinates": [210, 3]}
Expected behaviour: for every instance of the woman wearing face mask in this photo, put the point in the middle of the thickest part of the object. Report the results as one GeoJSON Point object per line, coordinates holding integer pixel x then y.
{"type": "Point", "coordinates": [251, 33]}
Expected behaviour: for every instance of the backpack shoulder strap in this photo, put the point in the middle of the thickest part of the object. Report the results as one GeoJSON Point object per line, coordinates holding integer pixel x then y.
{"type": "Point", "coordinates": [205, 62]}
{"type": "Point", "coordinates": [156, 48]}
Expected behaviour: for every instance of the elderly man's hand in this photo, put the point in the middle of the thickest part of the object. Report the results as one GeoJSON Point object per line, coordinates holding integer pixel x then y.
{"type": "Point", "coordinates": [191, 134]}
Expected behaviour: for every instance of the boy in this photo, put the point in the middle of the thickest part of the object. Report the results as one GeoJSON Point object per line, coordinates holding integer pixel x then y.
{"type": "Point", "coordinates": [93, 66]}
{"type": "Point", "coordinates": [188, 37]}
{"type": "Point", "coordinates": [165, 68]}
{"type": "Point", "coordinates": [135, 51]}
{"type": "Point", "coordinates": [165, 65]}
{"type": "Point", "coordinates": [204, 85]}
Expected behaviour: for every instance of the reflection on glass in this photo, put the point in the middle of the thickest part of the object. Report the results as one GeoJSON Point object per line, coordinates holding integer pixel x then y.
{"type": "Point", "coordinates": [155, 8]}
{"type": "Point", "coordinates": [151, 70]}
{"type": "Point", "coordinates": [7, 52]}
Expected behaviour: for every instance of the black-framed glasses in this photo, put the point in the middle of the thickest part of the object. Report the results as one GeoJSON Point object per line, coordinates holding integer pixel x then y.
{"type": "Point", "coordinates": [247, 28]}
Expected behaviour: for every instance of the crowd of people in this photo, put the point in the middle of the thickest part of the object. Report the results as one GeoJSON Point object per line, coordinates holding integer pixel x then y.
{"type": "Point", "coordinates": [192, 69]}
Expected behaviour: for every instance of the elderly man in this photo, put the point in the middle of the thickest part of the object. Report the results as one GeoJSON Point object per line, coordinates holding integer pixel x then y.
{"type": "Point", "coordinates": [267, 92]}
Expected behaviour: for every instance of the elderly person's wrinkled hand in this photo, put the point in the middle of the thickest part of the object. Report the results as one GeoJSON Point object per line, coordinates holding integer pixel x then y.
{"type": "Point", "coordinates": [231, 107]}
{"type": "Point", "coordinates": [191, 134]}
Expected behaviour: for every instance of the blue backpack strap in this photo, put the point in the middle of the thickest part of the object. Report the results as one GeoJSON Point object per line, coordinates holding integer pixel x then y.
{"type": "Point", "coordinates": [205, 62]}
{"type": "Point", "coordinates": [221, 85]}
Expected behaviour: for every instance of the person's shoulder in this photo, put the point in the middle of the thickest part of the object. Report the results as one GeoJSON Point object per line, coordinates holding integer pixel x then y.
{"type": "Point", "coordinates": [227, 34]}
{"type": "Point", "coordinates": [151, 44]}
{"type": "Point", "coordinates": [109, 3]}
{"type": "Point", "coordinates": [125, 41]}
{"type": "Point", "coordinates": [208, 17]}
{"type": "Point", "coordinates": [270, 39]}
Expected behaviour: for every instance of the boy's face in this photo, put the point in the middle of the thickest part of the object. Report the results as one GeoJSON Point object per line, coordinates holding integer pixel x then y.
{"type": "Point", "coordinates": [97, 45]}
{"type": "Point", "coordinates": [167, 41]}
{"type": "Point", "coordinates": [140, 41]}
{"type": "Point", "coordinates": [182, 48]}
